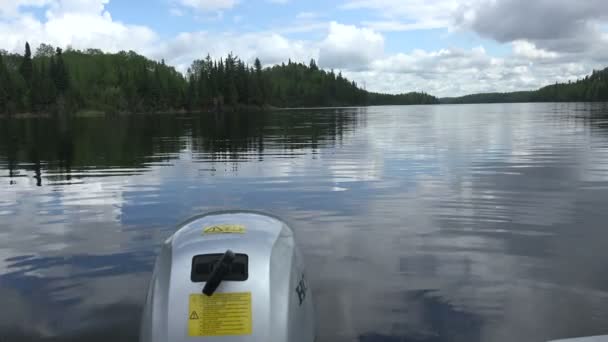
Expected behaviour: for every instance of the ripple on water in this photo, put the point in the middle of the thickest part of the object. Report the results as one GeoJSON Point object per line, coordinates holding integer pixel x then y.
{"type": "Point", "coordinates": [422, 223]}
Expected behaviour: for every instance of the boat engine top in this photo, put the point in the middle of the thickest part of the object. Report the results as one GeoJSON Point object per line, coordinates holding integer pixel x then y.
{"type": "Point", "coordinates": [229, 277]}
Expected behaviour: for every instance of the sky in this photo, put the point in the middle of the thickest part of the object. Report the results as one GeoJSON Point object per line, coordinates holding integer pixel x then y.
{"type": "Point", "coordinates": [442, 47]}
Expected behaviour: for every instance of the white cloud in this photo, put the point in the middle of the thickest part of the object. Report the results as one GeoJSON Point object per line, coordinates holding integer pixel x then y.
{"type": "Point", "coordinates": [529, 50]}
{"type": "Point", "coordinates": [510, 20]}
{"type": "Point", "coordinates": [552, 40]}
{"type": "Point", "coordinates": [81, 24]}
{"type": "Point", "coordinates": [271, 48]}
{"type": "Point", "coordinates": [347, 46]}
{"type": "Point", "coordinates": [307, 15]}
{"type": "Point", "coordinates": [87, 24]}
{"type": "Point", "coordinates": [394, 25]}
{"type": "Point", "coordinates": [10, 8]}
{"type": "Point", "coordinates": [209, 5]}
{"type": "Point", "coordinates": [442, 72]}
{"type": "Point", "coordinates": [174, 11]}
{"type": "Point", "coordinates": [562, 30]}
{"type": "Point", "coordinates": [356, 50]}
{"type": "Point", "coordinates": [434, 62]}
{"type": "Point", "coordinates": [451, 72]}
{"type": "Point", "coordinates": [61, 7]}
{"type": "Point", "coordinates": [553, 26]}
{"type": "Point", "coordinates": [405, 15]}
{"type": "Point", "coordinates": [303, 27]}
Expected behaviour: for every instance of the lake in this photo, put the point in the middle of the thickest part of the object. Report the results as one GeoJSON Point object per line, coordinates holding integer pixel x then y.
{"type": "Point", "coordinates": [422, 223]}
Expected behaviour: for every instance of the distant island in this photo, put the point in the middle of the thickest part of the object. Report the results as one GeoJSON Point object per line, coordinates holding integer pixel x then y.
{"type": "Point", "coordinates": [53, 80]}
{"type": "Point", "coordinates": [590, 89]}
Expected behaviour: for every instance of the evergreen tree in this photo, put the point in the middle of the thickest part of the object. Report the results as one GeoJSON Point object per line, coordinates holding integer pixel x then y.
{"type": "Point", "coordinates": [27, 69]}
{"type": "Point", "coordinates": [258, 91]}
{"type": "Point", "coordinates": [128, 82]}
{"type": "Point", "coordinates": [590, 88]}
{"type": "Point", "coordinates": [45, 50]}
{"type": "Point", "coordinates": [5, 87]}
{"type": "Point", "coordinates": [155, 91]}
{"type": "Point", "coordinates": [59, 73]}
{"type": "Point", "coordinates": [43, 91]}
{"type": "Point", "coordinates": [313, 65]}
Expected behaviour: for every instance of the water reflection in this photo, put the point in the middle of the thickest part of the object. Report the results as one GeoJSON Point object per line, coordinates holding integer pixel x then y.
{"type": "Point", "coordinates": [427, 318]}
{"type": "Point", "coordinates": [440, 223]}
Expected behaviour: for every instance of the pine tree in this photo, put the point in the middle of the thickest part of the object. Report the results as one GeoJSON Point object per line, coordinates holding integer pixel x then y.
{"type": "Point", "coordinates": [128, 82]}
{"type": "Point", "coordinates": [192, 94]}
{"type": "Point", "coordinates": [203, 85]}
{"type": "Point", "coordinates": [259, 96]}
{"type": "Point", "coordinates": [59, 73]}
{"type": "Point", "coordinates": [27, 69]}
{"type": "Point", "coordinates": [43, 91]}
{"type": "Point", "coordinates": [45, 50]}
{"type": "Point", "coordinates": [313, 65]}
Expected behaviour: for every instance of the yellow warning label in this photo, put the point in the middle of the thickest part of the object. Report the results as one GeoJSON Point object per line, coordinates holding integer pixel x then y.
{"type": "Point", "coordinates": [225, 229]}
{"type": "Point", "coordinates": [222, 314]}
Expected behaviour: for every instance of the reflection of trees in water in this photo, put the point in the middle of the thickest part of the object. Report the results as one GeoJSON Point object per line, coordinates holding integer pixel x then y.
{"type": "Point", "coordinates": [593, 115]}
{"type": "Point", "coordinates": [235, 135]}
{"type": "Point", "coordinates": [64, 145]}
{"type": "Point", "coordinates": [9, 149]}
{"type": "Point", "coordinates": [61, 145]}
{"type": "Point", "coordinates": [597, 118]}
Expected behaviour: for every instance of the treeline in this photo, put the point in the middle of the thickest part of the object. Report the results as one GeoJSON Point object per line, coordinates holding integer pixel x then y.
{"type": "Point", "coordinates": [589, 89]}
{"type": "Point", "coordinates": [300, 85]}
{"type": "Point", "coordinates": [51, 80]}
{"type": "Point", "coordinates": [26, 83]}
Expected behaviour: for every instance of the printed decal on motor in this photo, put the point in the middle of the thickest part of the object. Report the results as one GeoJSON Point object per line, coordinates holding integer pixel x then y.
{"type": "Point", "coordinates": [301, 289]}
{"type": "Point", "coordinates": [223, 314]}
{"type": "Point", "coordinates": [225, 229]}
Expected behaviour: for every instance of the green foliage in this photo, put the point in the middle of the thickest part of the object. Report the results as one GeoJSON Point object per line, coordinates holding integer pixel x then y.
{"type": "Point", "coordinates": [5, 86]}
{"type": "Point", "coordinates": [522, 96]}
{"type": "Point", "coordinates": [27, 67]}
{"type": "Point", "coordinates": [54, 80]}
{"type": "Point", "coordinates": [591, 88]}
{"type": "Point", "coordinates": [59, 73]}
{"type": "Point", "coordinates": [45, 50]}
{"type": "Point", "coordinates": [298, 85]}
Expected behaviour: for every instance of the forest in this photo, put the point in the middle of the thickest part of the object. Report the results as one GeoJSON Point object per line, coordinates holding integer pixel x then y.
{"type": "Point", "coordinates": [51, 80]}
{"type": "Point", "coordinates": [589, 89]}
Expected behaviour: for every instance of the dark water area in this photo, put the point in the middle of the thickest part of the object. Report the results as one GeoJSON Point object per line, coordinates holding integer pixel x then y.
{"type": "Point", "coordinates": [436, 223]}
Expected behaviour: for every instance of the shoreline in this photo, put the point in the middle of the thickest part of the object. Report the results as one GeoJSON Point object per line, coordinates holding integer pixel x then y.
{"type": "Point", "coordinates": [229, 109]}
{"type": "Point", "coordinates": [99, 113]}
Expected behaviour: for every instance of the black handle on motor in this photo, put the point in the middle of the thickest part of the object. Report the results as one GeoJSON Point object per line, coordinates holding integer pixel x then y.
{"type": "Point", "coordinates": [219, 272]}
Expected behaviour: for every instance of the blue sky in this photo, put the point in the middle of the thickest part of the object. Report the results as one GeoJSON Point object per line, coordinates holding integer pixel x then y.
{"type": "Point", "coordinates": [444, 47]}
{"type": "Point", "coordinates": [273, 16]}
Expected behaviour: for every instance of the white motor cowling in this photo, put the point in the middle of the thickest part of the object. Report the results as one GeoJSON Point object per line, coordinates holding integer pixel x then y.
{"type": "Point", "coordinates": [252, 276]}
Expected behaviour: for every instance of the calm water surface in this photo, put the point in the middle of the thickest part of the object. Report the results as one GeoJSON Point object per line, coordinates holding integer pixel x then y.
{"type": "Point", "coordinates": [438, 223]}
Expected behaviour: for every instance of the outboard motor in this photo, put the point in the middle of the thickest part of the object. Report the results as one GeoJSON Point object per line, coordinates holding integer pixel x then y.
{"type": "Point", "coordinates": [229, 277]}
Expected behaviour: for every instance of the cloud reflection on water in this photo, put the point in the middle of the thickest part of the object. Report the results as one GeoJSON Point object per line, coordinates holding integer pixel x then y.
{"type": "Point", "coordinates": [452, 223]}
